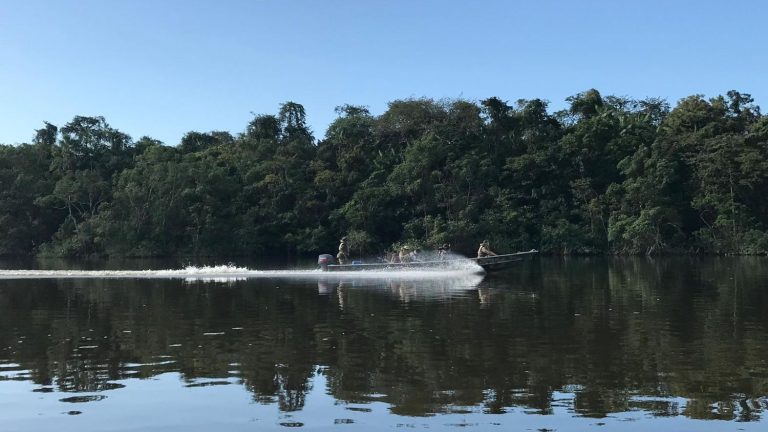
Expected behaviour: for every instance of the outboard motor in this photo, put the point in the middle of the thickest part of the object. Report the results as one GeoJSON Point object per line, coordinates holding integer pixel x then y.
{"type": "Point", "coordinates": [323, 261]}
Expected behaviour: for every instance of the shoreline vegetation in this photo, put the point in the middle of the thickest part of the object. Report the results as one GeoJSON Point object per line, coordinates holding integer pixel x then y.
{"type": "Point", "coordinates": [607, 175]}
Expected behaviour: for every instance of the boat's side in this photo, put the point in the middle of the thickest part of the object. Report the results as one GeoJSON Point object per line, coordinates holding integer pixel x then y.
{"type": "Point", "coordinates": [386, 266]}
{"type": "Point", "coordinates": [491, 263]}
{"type": "Point", "coordinates": [498, 265]}
{"type": "Point", "coordinates": [501, 262]}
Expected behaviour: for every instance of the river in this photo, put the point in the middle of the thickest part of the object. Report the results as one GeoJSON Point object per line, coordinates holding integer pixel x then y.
{"type": "Point", "coordinates": [553, 344]}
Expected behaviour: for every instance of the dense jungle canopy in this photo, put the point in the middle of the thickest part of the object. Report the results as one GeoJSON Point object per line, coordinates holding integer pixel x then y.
{"type": "Point", "coordinates": [606, 175]}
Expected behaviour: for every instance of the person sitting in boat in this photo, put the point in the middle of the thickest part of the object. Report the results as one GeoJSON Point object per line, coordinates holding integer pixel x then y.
{"type": "Point", "coordinates": [343, 255]}
{"type": "Point", "coordinates": [442, 251]}
{"type": "Point", "coordinates": [485, 250]}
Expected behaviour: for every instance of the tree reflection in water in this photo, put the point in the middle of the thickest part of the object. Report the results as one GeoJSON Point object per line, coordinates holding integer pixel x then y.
{"type": "Point", "coordinates": [675, 337]}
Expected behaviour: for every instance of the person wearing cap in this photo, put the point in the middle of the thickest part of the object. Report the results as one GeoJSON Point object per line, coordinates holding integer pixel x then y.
{"type": "Point", "coordinates": [485, 250]}
{"type": "Point", "coordinates": [343, 255]}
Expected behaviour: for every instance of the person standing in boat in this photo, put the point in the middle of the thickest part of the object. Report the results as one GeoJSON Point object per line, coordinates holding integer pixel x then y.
{"type": "Point", "coordinates": [343, 255]}
{"type": "Point", "coordinates": [485, 250]}
{"type": "Point", "coordinates": [405, 254]}
{"type": "Point", "coordinates": [394, 257]}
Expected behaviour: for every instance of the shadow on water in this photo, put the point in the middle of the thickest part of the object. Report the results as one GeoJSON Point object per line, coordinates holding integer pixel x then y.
{"type": "Point", "coordinates": [576, 337]}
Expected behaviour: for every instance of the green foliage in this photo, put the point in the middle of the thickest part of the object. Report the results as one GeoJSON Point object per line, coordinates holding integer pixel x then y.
{"type": "Point", "coordinates": [24, 176]}
{"type": "Point", "coordinates": [607, 175]}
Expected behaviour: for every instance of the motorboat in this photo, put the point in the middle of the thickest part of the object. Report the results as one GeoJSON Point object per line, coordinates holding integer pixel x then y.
{"type": "Point", "coordinates": [487, 264]}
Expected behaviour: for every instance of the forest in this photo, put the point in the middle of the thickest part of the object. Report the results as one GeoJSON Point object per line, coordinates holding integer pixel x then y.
{"type": "Point", "coordinates": [606, 175]}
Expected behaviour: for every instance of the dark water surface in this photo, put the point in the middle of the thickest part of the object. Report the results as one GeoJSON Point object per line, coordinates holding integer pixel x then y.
{"type": "Point", "coordinates": [565, 345]}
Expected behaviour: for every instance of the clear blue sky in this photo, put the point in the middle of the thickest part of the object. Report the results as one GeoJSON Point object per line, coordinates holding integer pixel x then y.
{"type": "Point", "coordinates": [165, 67]}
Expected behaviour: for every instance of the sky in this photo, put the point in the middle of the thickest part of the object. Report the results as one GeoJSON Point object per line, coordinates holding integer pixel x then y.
{"type": "Point", "coordinates": [162, 68]}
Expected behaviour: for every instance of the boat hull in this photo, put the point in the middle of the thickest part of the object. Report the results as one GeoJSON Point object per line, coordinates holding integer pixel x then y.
{"type": "Point", "coordinates": [488, 264]}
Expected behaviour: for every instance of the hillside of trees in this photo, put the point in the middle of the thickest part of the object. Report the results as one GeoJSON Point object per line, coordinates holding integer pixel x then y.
{"type": "Point", "coordinates": [607, 175]}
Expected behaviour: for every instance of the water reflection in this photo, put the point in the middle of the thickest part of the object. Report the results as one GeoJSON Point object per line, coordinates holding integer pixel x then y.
{"type": "Point", "coordinates": [588, 338]}
{"type": "Point", "coordinates": [403, 289]}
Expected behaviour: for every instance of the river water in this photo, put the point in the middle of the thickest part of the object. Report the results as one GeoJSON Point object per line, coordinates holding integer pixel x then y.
{"type": "Point", "coordinates": [553, 344]}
